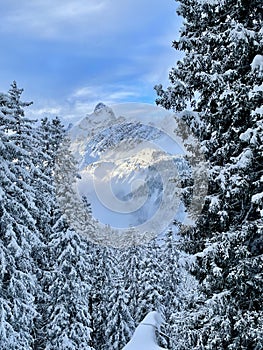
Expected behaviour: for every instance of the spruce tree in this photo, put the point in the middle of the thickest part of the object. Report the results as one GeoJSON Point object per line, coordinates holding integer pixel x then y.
{"type": "Point", "coordinates": [49, 136]}
{"type": "Point", "coordinates": [171, 276]}
{"type": "Point", "coordinates": [220, 84]}
{"type": "Point", "coordinates": [150, 288]}
{"type": "Point", "coordinates": [171, 279]}
{"type": "Point", "coordinates": [101, 275]}
{"type": "Point", "coordinates": [68, 324]}
{"type": "Point", "coordinates": [131, 267]}
{"type": "Point", "coordinates": [181, 294]}
{"type": "Point", "coordinates": [18, 231]}
{"type": "Point", "coordinates": [119, 322]}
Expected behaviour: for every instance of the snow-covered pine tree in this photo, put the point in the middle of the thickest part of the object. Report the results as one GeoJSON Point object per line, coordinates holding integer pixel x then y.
{"type": "Point", "coordinates": [119, 322]}
{"type": "Point", "coordinates": [170, 281]}
{"type": "Point", "coordinates": [69, 291]}
{"type": "Point", "coordinates": [68, 326]}
{"type": "Point", "coordinates": [49, 136]}
{"type": "Point", "coordinates": [171, 277]}
{"type": "Point", "coordinates": [143, 280]}
{"type": "Point", "coordinates": [220, 82]}
{"type": "Point", "coordinates": [181, 294]}
{"type": "Point", "coordinates": [150, 288]}
{"type": "Point", "coordinates": [101, 275]}
{"type": "Point", "coordinates": [18, 232]}
{"type": "Point", "coordinates": [130, 266]}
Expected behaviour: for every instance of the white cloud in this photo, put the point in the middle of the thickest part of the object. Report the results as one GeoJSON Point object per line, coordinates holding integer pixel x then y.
{"type": "Point", "coordinates": [125, 45]}
{"type": "Point", "coordinates": [105, 92]}
{"type": "Point", "coordinates": [83, 92]}
{"type": "Point", "coordinates": [45, 111]}
{"type": "Point", "coordinates": [83, 100]}
{"type": "Point", "coordinates": [79, 19]}
{"type": "Point", "coordinates": [50, 18]}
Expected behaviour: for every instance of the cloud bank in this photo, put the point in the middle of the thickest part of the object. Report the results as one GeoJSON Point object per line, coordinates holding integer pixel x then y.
{"type": "Point", "coordinates": [70, 55]}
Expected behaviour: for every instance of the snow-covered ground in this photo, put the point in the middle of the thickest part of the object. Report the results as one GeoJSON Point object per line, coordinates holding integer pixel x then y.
{"type": "Point", "coordinates": [144, 337]}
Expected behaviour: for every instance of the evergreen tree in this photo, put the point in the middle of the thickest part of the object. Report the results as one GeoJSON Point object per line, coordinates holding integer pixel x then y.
{"type": "Point", "coordinates": [69, 319]}
{"type": "Point", "coordinates": [182, 296]}
{"type": "Point", "coordinates": [69, 290]}
{"type": "Point", "coordinates": [119, 323]}
{"type": "Point", "coordinates": [18, 232]}
{"type": "Point", "coordinates": [131, 266]}
{"type": "Point", "coordinates": [171, 279]}
{"type": "Point", "coordinates": [150, 292]}
{"type": "Point", "coordinates": [49, 136]}
{"type": "Point", "coordinates": [221, 40]}
{"type": "Point", "coordinates": [101, 275]}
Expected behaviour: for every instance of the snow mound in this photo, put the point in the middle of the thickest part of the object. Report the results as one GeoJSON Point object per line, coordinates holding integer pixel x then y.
{"type": "Point", "coordinates": [144, 336]}
{"type": "Point", "coordinates": [257, 65]}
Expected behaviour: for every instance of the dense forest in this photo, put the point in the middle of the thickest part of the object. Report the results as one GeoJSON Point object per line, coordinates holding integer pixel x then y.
{"type": "Point", "coordinates": [59, 291]}
{"type": "Point", "coordinates": [218, 89]}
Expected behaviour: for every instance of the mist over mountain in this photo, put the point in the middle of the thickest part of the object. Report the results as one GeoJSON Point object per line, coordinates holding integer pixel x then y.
{"type": "Point", "coordinates": [121, 162]}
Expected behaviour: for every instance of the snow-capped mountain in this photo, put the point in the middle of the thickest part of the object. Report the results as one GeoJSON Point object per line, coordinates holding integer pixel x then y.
{"type": "Point", "coordinates": [126, 167]}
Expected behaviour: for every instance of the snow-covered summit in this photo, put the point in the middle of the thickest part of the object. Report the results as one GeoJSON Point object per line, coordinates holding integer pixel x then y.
{"type": "Point", "coordinates": [99, 106]}
{"type": "Point", "coordinates": [80, 134]}
{"type": "Point", "coordinates": [144, 336]}
{"type": "Point", "coordinates": [126, 167]}
{"type": "Point", "coordinates": [103, 111]}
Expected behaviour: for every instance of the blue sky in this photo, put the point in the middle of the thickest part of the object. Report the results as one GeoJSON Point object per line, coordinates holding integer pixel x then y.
{"type": "Point", "coordinates": [69, 55]}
